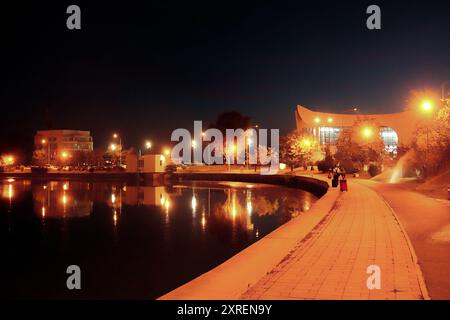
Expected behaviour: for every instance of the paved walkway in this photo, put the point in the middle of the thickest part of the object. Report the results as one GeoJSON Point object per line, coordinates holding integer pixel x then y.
{"type": "Point", "coordinates": [427, 223]}
{"type": "Point", "coordinates": [331, 263]}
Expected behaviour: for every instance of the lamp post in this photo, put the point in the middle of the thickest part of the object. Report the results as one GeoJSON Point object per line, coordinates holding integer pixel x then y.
{"type": "Point", "coordinates": [45, 142]}
{"type": "Point", "coordinates": [116, 136]}
{"type": "Point", "coordinates": [64, 156]}
{"type": "Point", "coordinates": [148, 146]}
{"type": "Point", "coordinates": [427, 106]}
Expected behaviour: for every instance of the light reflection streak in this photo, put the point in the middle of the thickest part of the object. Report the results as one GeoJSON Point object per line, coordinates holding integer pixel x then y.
{"type": "Point", "coordinates": [193, 204]}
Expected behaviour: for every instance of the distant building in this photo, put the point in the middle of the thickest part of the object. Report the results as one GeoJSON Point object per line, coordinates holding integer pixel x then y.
{"type": "Point", "coordinates": [324, 127]}
{"type": "Point", "coordinates": [147, 163]}
{"type": "Point", "coordinates": [59, 146]}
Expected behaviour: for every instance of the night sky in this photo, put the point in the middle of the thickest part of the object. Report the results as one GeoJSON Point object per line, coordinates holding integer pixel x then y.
{"type": "Point", "coordinates": [146, 68]}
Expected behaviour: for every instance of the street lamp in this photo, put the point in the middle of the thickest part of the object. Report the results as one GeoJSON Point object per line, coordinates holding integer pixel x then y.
{"type": "Point", "coordinates": [44, 142]}
{"type": "Point", "coordinates": [367, 132]}
{"type": "Point", "coordinates": [8, 160]}
{"type": "Point", "coordinates": [427, 107]}
{"type": "Point", "coordinates": [116, 136]}
{"type": "Point", "coordinates": [306, 142]}
{"type": "Point", "coordinates": [64, 155]}
{"type": "Point", "coordinates": [148, 144]}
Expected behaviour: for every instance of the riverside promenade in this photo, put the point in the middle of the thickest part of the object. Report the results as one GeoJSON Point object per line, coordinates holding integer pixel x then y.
{"type": "Point", "coordinates": [332, 262]}
{"type": "Point", "coordinates": [322, 254]}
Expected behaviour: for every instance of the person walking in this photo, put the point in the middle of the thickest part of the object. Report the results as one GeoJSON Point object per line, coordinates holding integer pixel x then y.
{"type": "Point", "coordinates": [334, 175]}
{"type": "Point", "coordinates": [337, 176]}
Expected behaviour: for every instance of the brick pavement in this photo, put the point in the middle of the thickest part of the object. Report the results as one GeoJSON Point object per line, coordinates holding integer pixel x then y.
{"type": "Point", "coordinates": [331, 262]}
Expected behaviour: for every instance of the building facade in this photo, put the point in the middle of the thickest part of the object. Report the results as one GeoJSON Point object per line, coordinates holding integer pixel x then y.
{"type": "Point", "coordinates": [57, 146]}
{"type": "Point", "coordinates": [394, 128]}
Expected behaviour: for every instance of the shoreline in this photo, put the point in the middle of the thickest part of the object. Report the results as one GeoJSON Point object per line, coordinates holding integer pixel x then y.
{"type": "Point", "coordinates": [233, 277]}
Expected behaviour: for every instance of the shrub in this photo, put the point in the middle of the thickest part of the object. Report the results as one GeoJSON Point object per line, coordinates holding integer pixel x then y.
{"type": "Point", "coordinates": [374, 169]}
{"type": "Point", "coordinates": [349, 166]}
{"type": "Point", "coordinates": [325, 165]}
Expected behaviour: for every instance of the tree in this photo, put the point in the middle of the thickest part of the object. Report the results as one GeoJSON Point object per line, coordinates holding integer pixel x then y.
{"type": "Point", "coordinates": [297, 149]}
{"type": "Point", "coordinates": [432, 141]}
{"type": "Point", "coordinates": [359, 145]}
{"type": "Point", "coordinates": [39, 157]}
{"type": "Point", "coordinates": [231, 120]}
{"type": "Point", "coordinates": [96, 157]}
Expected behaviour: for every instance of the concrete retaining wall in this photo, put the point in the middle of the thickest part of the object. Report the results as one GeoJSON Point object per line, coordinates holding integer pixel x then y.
{"type": "Point", "coordinates": [315, 186]}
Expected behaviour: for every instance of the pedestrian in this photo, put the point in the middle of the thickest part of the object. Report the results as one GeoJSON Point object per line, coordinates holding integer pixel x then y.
{"type": "Point", "coordinates": [343, 182]}
{"type": "Point", "coordinates": [334, 175]}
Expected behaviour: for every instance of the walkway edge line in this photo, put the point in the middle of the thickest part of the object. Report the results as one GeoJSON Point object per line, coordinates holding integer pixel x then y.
{"type": "Point", "coordinates": [420, 277]}
{"type": "Point", "coordinates": [229, 280]}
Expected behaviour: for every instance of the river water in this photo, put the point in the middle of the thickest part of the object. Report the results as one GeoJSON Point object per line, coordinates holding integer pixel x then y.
{"type": "Point", "coordinates": [130, 242]}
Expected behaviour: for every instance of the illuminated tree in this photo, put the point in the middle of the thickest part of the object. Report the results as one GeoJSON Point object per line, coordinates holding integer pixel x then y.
{"type": "Point", "coordinates": [359, 145]}
{"type": "Point", "coordinates": [432, 141]}
{"type": "Point", "coordinates": [297, 149]}
{"type": "Point", "coordinates": [39, 157]}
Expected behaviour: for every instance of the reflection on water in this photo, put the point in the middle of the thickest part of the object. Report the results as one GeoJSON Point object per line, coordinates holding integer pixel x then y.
{"type": "Point", "coordinates": [130, 241]}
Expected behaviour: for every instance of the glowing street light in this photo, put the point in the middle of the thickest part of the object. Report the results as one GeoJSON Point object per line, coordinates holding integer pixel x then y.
{"type": "Point", "coordinates": [148, 144]}
{"type": "Point", "coordinates": [64, 155]}
{"type": "Point", "coordinates": [194, 144]}
{"type": "Point", "coordinates": [116, 136]}
{"type": "Point", "coordinates": [8, 160]}
{"type": "Point", "coordinates": [166, 152]}
{"type": "Point", "coordinates": [367, 132]}
{"type": "Point", "coordinates": [113, 147]}
{"type": "Point", "coordinates": [231, 150]}
{"type": "Point", "coordinates": [427, 105]}
{"type": "Point", "coordinates": [44, 143]}
{"type": "Point", "coordinates": [306, 142]}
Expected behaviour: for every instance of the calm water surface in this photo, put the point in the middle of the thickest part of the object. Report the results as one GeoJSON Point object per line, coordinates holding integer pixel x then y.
{"type": "Point", "coordinates": [131, 242]}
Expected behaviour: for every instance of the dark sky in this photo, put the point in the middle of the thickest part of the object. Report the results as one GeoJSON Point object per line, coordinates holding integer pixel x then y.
{"type": "Point", "coordinates": [146, 68]}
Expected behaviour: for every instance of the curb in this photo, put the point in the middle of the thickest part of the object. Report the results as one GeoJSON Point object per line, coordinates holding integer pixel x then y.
{"type": "Point", "coordinates": [196, 288]}
{"type": "Point", "coordinates": [420, 277]}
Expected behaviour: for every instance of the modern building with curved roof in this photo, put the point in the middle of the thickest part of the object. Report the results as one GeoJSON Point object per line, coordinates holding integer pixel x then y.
{"type": "Point", "coordinates": [395, 128]}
